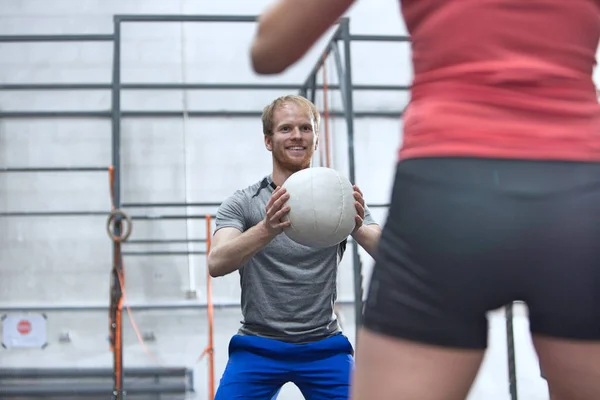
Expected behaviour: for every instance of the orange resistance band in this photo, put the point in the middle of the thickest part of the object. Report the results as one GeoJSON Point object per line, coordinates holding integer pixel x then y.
{"type": "Point", "coordinates": [119, 275]}
{"type": "Point", "coordinates": [326, 113]}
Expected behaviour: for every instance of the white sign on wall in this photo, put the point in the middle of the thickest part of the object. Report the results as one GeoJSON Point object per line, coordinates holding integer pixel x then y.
{"type": "Point", "coordinates": [24, 331]}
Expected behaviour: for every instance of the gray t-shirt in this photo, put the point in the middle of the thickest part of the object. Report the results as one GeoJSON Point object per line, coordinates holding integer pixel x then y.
{"type": "Point", "coordinates": [288, 290]}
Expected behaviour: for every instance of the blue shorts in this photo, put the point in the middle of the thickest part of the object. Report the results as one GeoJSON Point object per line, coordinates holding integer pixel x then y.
{"type": "Point", "coordinates": [259, 367]}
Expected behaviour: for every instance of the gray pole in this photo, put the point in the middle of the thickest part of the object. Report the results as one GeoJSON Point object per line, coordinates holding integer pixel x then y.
{"type": "Point", "coordinates": [349, 111]}
{"type": "Point", "coordinates": [117, 272]}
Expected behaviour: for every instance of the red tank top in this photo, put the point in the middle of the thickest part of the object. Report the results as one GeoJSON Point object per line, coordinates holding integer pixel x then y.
{"type": "Point", "coordinates": [503, 79]}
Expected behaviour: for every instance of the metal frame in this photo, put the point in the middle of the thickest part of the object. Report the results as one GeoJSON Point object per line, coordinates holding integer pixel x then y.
{"type": "Point", "coordinates": [171, 306]}
{"type": "Point", "coordinates": [116, 114]}
{"type": "Point", "coordinates": [41, 114]}
{"type": "Point", "coordinates": [343, 66]}
{"type": "Point", "coordinates": [150, 380]}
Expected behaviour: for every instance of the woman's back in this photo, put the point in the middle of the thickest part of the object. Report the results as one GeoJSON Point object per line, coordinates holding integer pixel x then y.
{"type": "Point", "coordinates": [503, 78]}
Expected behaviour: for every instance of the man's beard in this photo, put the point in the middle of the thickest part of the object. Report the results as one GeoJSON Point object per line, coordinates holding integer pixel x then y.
{"type": "Point", "coordinates": [289, 164]}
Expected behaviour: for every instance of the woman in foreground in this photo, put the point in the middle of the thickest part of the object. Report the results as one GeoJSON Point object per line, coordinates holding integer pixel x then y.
{"type": "Point", "coordinates": [496, 196]}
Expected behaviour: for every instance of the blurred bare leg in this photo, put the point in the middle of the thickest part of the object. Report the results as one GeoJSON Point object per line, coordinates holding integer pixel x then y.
{"type": "Point", "coordinates": [572, 368]}
{"type": "Point", "coordinates": [392, 369]}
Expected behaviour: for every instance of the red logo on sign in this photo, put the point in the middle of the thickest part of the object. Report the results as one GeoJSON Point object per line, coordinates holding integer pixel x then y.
{"type": "Point", "coordinates": [24, 327]}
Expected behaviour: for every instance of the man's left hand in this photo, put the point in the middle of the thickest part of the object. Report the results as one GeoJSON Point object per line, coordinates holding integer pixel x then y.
{"type": "Point", "coordinates": [359, 203]}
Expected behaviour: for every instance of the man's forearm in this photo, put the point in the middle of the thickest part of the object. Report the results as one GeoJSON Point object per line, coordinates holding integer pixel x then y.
{"type": "Point", "coordinates": [231, 255]}
{"type": "Point", "coordinates": [367, 236]}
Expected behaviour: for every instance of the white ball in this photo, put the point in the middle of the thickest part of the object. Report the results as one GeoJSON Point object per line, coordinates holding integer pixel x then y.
{"type": "Point", "coordinates": [322, 207]}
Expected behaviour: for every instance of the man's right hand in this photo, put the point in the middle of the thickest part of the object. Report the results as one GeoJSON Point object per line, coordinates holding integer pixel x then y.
{"type": "Point", "coordinates": [275, 211]}
{"type": "Point", "coordinates": [231, 247]}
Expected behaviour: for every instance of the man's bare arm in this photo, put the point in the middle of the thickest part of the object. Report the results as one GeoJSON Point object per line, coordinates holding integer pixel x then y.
{"type": "Point", "coordinates": [230, 248]}
{"type": "Point", "coordinates": [367, 237]}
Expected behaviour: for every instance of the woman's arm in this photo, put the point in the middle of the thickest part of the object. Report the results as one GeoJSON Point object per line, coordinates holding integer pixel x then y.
{"type": "Point", "coordinates": [288, 29]}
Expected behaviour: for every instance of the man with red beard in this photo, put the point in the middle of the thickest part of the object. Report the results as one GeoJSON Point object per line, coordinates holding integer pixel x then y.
{"type": "Point", "coordinates": [289, 331]}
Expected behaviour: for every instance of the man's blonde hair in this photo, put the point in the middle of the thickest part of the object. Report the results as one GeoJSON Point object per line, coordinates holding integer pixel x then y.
{"type": "Point", "coordinates": [268, 111]}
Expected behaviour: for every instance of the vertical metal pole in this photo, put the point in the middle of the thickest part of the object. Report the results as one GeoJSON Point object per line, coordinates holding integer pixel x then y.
{"type": "Point", "coordinates": [349, 114]}
{"type": "Point", "coordinates": [117, 273]}
{"type": "Point", "coordinates": [510, 349]}
{"type": "Point", "coordinates": [340, 71]}
{"type": "Point", "coordinates": [116, 112]}
{"type": "Point", "coordinates": [313, 89]}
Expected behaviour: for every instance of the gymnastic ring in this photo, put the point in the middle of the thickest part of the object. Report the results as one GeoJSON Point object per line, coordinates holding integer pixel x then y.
{"type": "Point", "coordinates": [128, 226]}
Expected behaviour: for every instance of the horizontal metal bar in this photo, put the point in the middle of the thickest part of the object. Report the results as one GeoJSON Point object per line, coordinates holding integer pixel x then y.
{"type": "Point", "coordinates": [162, 253]}
{"type": "Point", "coordinates": [102, 308]}
{"type": "Point", "coordinates": [105, 213]}
{"type": "Point", "coordinates": [189, 305]}
{"type": "Point", "coordinates": [52, 213]}
{"type": "Point", "coordinates": [184, 18]}
{"type": "Point", "coordinates": [56, 38]}
{"type": "Point", "coordinates": [133, 372]}
{"type": "Point", "coordinates": [53, 169]}
{"type": "Point", "coordinates": [247, 86]}
{"type": "Point", "coordinates": [380, 87]}
{"type": "Point", "coordinates": [377, 114]}
{"type": "Point", "coordinates": [78, 390]}
{"type": "Point", "coordinates": [55, 114]}
{"type": "Point", "coordinates": [175, 114]}
{"type": "Point", "coordinates": [163, 241]}
{"type": "Point", "coordinates": [245, 114]}
{"type": "Point", "coordinates": [152, 217]}
{"type": "Point", "coordinates": [101, 213]}
{"type": "Point", "coordinates": [55, 86]}
{"type": "Point", "coordinates": [378, 205]}
{"type": "Point", "coordinates": [224, 114]}
{"type": "Point", "coordinates": [210, 86]}
{"type": "Point", "coordinates": [181, 114]}
{"type": "Point", "coordinates": [181, 86]}
{"type": "Point", "coordinates": [379, 38]}
{"type": "Point", "coordinates": [138, 205]}
{"type": "Point", "coordinates": [148, 86]}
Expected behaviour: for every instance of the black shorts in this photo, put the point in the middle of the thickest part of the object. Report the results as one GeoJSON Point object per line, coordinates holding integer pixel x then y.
{"type": "Point", "coordinates": [465, 236]}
